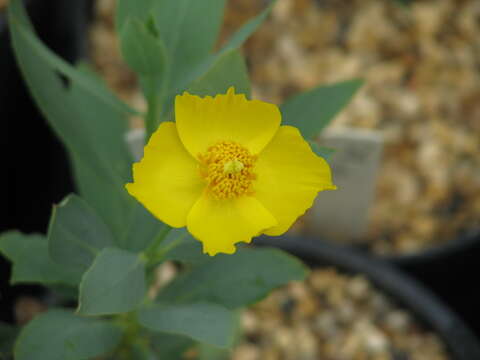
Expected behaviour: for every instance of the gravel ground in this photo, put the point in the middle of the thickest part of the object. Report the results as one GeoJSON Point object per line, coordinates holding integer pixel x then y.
{"type": "Point", "coordinates": [333, 316]}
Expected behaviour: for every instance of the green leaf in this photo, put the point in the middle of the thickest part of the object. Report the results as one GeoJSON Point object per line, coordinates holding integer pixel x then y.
{"type": "Point", "coordinates": [221, 59]}
{"type": "Point", "coordinates": [8, 333]}
{"type": "Point", "coordinates": [31, 261]}
{"type": "Point", "coordinates": [168, 346]}
{"type": "Point", "coordinates": [65, 294]}
{"type": "Point", "coordinates": [212, 77]}
{"type": "Point", "coordinates": [209, 352]}
{"type": "Point", "coordinates": [311, 111]}
{"type": "Point", "coordinates": [76, 234]}
{"type": "Point", "coordinates": [91, 128]}
{"type": "Point", "coordinates": [61, 335]}
{"type": "Point", "coordinates": [204, 322]}
{"type": "Point", "coordinates": [235, 280]}
{"type": "Point", "coordinates": [141, 230]}
{"type": "Point", "coordinates": [140, 352]}
{"type": "Point", "coordinates": [196, 74]}
{"type": "Point", "coordinates": [183, 247]}
{"type": "Point", "coordinates": [145, 54]}
{"type": "Point", "coordinates": [22, 35]}
{"type": "Point", "coordinates": [188, 76]}
{"type": "Point", "coordinates": [189, 29]}
{"type": "Point", "coordinates": [85, 74]}
{"type": "Point", "coordinates": [324, 152]}
{"type": "Point", "coordinates": [242, 34]}
{"type": "Point", "coordinates": [115, 283]}
{"type": "Point", "coordinates": [132, 9]}
{"type": "Point", "coordinates": [228, 70]}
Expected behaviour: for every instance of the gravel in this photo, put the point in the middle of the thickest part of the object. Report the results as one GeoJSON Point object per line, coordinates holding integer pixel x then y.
{"type": "Point", "coordinates": [333, 316]}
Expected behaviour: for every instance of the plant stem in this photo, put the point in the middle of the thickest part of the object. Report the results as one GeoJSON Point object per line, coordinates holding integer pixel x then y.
{"type": "Point", "coordinates": [151, 117]}
{"type": "Point", "coordinates": [153, 248]}
{"type": "Point", "coordinates": [158, 256]}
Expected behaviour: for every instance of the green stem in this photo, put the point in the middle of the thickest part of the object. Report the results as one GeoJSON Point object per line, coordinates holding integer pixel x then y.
{"type": "Point", "coordinates": [151, 117]}
{"type": "Point", "coordinates": [131, 331]}
{"type": "Point", "coordinates": [159, 255]}
{"type": "Point", "coordinates": [153, 248]}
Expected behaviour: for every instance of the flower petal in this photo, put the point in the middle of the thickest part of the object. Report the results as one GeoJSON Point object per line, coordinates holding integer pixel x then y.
{"type": "Point", "coordinates": [289, 176]}
{"type": "Point", "coordinates": [166, 180]}
{"type": "Point", "coordinates": [202, 122]}
{"type": "Point", "coordinates": [219, 224]}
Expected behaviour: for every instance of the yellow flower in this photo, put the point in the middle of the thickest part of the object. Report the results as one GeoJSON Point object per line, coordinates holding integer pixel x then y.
{"type": "Point", "coordinates": [228, 171]}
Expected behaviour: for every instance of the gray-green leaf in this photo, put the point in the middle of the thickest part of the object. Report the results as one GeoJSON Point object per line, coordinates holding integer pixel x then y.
{"type": "Point", "coordinates": [76, 234]}
{"type": "Point", "coordinates": [168, 346]}
{"type": "Point", "coordinates": [209, 352]}
{"type": "Point", "coordinates": [228, 70]}
{"type": "Point", "coordinates": [204, 322]}
{"type": "Point", "coordinates": [132, 9]}
{"type": "Point", "coordinates": [141, 50]}
{"type": "Point", "coordinates": [23, 35]}
{"type": "Point", "coordinates": [189, 75]}
{"type": "Point", "coordinates": [180, 246]}
{"type": "Point", "coordinates": [31, 261]}
{"type": "Point", "coordinates": [115, 283]}
{"type": "Point", "coordinates": [213, 76]}
{"type": "Point", "coordinates": [141, 230]}
{"type": "Point", "coordinates": [189, 29]}
{"type": "Point", "coordinates": [61, 335]}
{"type": "Point", "coordinates": [311, 111]}
{"type": "Point", "coordinates": [91, 127]}
{"type": "Point", "coordinates": [235, 280]}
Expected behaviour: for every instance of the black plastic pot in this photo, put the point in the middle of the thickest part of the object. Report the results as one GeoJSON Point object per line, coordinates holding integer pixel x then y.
{"type": "Point", "coordinates": [460, 340]}
{"type": "Point", "coordinates": [448, 270]}
{"type": "Point", "coordinates": [35, 169]}
{"type": "Point", "coordinates": [451, 272]}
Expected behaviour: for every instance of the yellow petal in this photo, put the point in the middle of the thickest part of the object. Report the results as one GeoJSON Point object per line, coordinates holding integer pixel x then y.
{"type": "Point", "coordinates": [166, 181]}
{"type": "Point", "coordinates": [202, 122]}
{"type": "Point", "coordinates": [289, 176]}
{"type": "Point", "coordinates": [219, 224]}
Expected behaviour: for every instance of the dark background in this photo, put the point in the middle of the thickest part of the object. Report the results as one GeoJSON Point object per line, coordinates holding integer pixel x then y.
{"type": "Point", "coordinates": [34, 166]}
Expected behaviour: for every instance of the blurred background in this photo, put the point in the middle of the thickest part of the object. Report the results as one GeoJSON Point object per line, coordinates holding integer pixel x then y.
{"type": "Point", "coordinates": [421, 64]}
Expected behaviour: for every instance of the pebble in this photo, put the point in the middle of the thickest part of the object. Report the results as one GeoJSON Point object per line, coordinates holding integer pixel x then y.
{"type": "Point", "coordinates": [364, 324]}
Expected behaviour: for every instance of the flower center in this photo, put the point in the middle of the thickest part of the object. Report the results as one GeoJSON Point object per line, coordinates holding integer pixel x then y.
{"type": "Point", "coordinates": [227, 168]}
{"type": "Point", "coordinates": [233, 167]}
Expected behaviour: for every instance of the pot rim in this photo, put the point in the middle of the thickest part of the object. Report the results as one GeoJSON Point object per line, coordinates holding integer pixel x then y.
{"type": "Point", "coordinates": [453, 247]}
{"type": "Point", "coordinates": [461, 342]}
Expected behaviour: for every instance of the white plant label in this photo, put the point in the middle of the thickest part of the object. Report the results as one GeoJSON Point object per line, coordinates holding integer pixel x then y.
{"type": "Point", "coordinates": [343, 214]}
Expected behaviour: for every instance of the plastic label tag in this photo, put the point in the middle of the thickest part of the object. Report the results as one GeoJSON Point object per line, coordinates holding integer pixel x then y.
{"type": "Point", "coordinates": [343, 214]}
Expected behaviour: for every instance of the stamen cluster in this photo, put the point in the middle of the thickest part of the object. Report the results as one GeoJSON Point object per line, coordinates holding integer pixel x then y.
{"type": "Point", "coordinates": [227, 168]}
